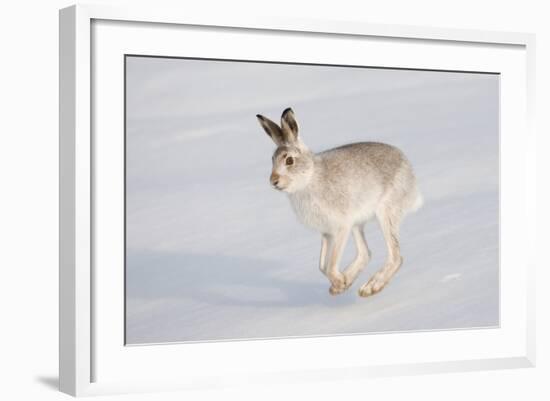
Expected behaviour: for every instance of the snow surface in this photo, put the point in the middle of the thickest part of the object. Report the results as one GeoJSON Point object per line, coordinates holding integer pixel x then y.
{"type": "Point", "coordinates": [214, 253]}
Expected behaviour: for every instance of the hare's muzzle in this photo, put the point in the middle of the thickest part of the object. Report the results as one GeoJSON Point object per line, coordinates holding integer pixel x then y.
{"type": "Point", "coordinates": [274, 179]}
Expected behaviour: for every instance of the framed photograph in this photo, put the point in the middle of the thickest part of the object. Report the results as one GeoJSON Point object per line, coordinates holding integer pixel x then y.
{"type": "Point", "coordinates": [268, 201]}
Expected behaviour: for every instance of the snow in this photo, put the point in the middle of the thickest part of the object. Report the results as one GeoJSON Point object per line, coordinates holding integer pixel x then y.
{"type": "Point", "coordinates": [214, 253]}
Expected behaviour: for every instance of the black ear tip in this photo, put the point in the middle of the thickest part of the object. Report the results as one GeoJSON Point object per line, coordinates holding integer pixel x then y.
{"type": "Point", "coordinates": [259, 117]}
{"type": "Point", "coordinates": [287, 110]}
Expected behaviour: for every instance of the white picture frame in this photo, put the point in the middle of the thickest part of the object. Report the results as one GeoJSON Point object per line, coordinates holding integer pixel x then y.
{"type": "Point", "coordinates": [82, 344]}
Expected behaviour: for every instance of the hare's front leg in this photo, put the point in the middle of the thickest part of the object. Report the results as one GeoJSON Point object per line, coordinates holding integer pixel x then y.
{"type": "Point", "coordinates": [389, 222]}
{"type": "Point", "coordinates": [362, 258]}
{"type": "Point", "coordinates": [325, 238]}
{"type": "Point", "coordinates": [337, 243]}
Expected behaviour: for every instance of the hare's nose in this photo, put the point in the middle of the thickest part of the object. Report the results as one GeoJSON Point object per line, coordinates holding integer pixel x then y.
{"type": "Point", "coordinates": [274, 178]}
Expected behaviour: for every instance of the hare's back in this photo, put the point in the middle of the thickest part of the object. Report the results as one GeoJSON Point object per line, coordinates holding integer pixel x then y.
{"type": "Point", "coordinates": [380, 160]}
{"type": "Point", "coordinates": [355, 178]}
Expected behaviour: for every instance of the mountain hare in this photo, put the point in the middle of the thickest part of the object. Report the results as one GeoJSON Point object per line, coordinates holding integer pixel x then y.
{"type": "Point", "coordinates": [336, 191]}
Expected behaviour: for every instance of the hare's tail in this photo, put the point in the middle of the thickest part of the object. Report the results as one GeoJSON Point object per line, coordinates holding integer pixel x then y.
{"type": "Point", "coordinates": [418, 202]}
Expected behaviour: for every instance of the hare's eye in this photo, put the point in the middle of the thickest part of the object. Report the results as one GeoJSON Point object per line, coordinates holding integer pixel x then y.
{"type": "Point", "coordinates": [289, 161]}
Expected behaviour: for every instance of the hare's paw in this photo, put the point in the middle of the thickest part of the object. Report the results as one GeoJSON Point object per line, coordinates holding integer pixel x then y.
{"type": "Point", "coordinates": [339, 284]}
{"type": "Point", "coordinates": [336, 290]}
{"type": "Point", "coordinates": [374, 285]}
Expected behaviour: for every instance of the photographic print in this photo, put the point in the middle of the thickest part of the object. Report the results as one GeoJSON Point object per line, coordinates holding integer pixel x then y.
{"type": "Point", "coordinates": [273, 200]}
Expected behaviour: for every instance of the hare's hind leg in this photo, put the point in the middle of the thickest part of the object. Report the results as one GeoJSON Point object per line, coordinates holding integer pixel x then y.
{"type": "Point", "coordinates": [390, 219]}
{"type": "Point", "coordinates": [362, 258]}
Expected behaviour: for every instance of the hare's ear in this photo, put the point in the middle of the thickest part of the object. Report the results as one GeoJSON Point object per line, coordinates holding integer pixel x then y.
{"type": "Point", "coordinates": [289, 126]}
{"type": "Point", "coordinates": [271, 129]}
